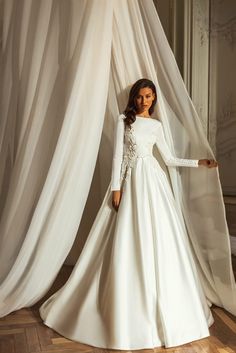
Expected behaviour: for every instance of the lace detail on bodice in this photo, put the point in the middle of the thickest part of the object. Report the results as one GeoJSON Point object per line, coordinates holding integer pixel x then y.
{"type": "Point", "coordinates": [136, 141]}
{"type": "Point", "coordinates": [130, 152]}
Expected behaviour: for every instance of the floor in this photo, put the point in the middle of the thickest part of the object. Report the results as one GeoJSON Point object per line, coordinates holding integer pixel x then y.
{"type": "Point", "coordinates": [23, 332]}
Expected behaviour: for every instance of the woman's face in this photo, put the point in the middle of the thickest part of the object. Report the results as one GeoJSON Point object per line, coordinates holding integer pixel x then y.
{"type": "Point", "coordinates": [144, 99]}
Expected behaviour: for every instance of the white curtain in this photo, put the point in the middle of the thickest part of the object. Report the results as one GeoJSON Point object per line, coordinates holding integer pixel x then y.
{"type": "Point", "coordinates": [67, 66]}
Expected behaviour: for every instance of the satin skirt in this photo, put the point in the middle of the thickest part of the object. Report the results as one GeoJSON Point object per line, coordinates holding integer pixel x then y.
{"type": "Point", "coordinates": [135, 284]}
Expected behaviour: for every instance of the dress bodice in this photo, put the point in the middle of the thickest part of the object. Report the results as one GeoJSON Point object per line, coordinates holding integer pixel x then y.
{"type": "Point", "coordinates": [140, 135]}
{"type": "Point", "coordinates": [137, 141]}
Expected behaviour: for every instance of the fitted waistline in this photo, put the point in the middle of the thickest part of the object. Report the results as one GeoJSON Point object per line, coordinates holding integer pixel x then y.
{"type": "Point", "coordinates": [130, 160]}
{"type": "Point", "coordinates": [139, 155]}
{"type": "Point", "coordinates": [144, 155]}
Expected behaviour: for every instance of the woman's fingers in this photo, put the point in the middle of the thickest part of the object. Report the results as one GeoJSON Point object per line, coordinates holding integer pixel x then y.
{"type": "Point", "coordinates": [212, 163]}
{"type": "Point", "coordinates": [116, 199]}
{"type": "Point", "coordinates": [115, 205]}
{"type": "Point", "coordinates": [209, 163]}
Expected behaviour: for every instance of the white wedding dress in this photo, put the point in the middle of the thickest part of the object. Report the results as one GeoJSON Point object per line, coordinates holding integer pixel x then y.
{"type": "Point", "coordinates": [135, 284]}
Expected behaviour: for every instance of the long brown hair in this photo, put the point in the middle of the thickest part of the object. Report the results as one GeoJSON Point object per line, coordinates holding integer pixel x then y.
{"type": "Point", "coordinates": [131, 109]}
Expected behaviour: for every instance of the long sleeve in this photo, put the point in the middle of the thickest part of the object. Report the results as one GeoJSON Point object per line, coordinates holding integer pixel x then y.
{"type": "Point", "coordinates": [117, 153]}
{"type": "Point", "coordinates": [166, 154]}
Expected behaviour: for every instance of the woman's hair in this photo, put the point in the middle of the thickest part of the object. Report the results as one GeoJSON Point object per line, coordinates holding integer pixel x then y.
{"type": "Point", "coordinates": [131, 109]}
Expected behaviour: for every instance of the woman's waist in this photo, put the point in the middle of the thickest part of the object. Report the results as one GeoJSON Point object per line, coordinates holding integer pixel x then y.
{"type": "Point", "coordinates": [138, 151]}
{"type": "Point", "coordinates": [131, 160]}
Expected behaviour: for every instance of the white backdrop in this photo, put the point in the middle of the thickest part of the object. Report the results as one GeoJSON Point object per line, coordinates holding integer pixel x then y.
{"type": "Point", "coordinates": [67, 67]}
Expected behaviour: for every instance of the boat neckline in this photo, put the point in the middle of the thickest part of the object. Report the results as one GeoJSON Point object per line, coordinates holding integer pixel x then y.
{"type": "Point", "coordinates": [144, 117]}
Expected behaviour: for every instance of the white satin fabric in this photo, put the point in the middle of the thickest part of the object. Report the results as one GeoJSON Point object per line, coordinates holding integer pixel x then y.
{"type": "Point", "coordinates": [135, 284]}
{"type": "Point", "coordinates": [129, 146]}
{"type": "Point", "coordinates": [66, 69]}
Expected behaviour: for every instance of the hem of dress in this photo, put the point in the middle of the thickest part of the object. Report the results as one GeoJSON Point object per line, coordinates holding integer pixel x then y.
{"type": "Point", "coordinates": [125, 348]}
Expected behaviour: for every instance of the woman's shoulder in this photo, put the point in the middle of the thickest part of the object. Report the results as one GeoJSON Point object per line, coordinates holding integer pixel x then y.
{"type": "Point", "coordinates": [156, 120]}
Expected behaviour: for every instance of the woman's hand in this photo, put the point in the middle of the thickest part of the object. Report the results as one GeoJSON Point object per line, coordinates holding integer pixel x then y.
{"type": "Point", "coordinates": [116, 197]}
{"type": "Point", "coordinates": [209, 163]}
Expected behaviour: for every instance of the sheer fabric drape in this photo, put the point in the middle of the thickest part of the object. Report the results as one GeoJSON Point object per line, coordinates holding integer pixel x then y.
{"type": "Point", "coordinates": [55, 62]}
{"type": "Point", "coordinates": [65, 65]}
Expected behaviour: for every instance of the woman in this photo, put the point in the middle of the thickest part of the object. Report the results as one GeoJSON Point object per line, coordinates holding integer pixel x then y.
{"type": "Point", "coordinates": [135, 284]}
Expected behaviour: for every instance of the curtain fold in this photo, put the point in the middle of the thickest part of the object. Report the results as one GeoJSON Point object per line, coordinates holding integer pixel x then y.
{"type": "Point", "coordinates": [54, 132]}
{"type": "Point", "coordinates": [67, 65]}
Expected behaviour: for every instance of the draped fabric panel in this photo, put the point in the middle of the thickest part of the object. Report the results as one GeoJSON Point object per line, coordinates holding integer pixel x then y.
{"type": "Point", "coordinates": [66, 66]}
{"type": "Point", "coordinates": [51, 135]}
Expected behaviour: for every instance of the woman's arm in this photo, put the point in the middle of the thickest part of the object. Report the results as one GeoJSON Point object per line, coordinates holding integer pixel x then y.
{"type": "Point", "coordinates": [166, 154]}
{"type": "Point", "coordinates": [117, 153]}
